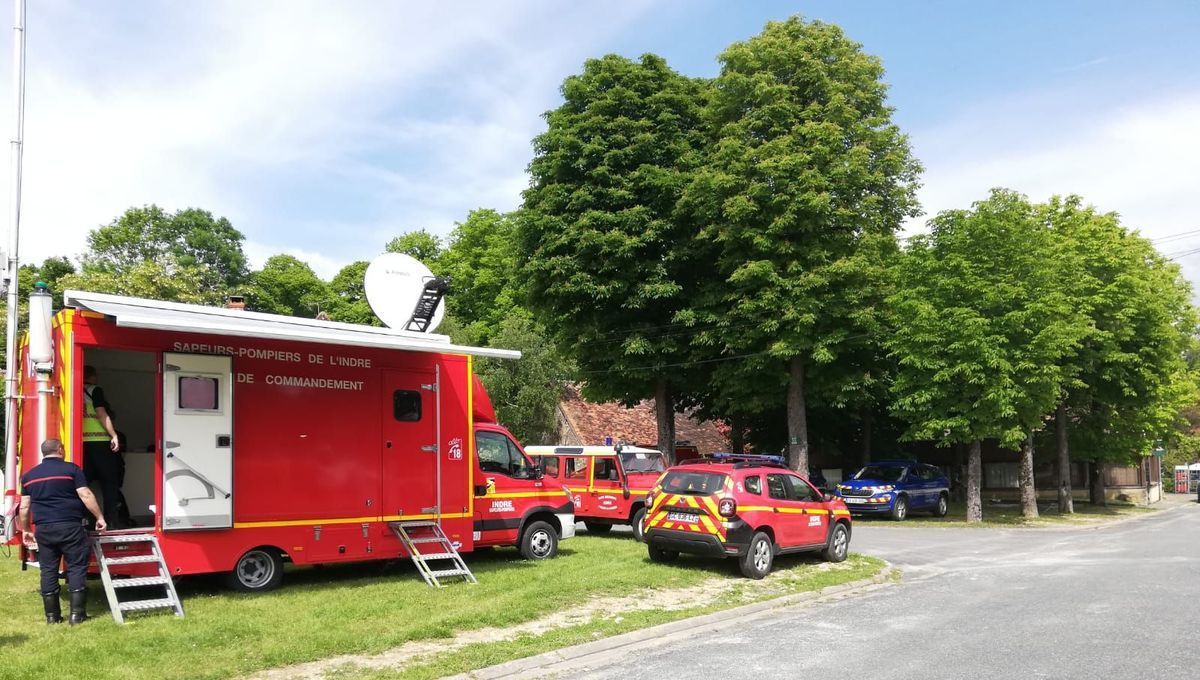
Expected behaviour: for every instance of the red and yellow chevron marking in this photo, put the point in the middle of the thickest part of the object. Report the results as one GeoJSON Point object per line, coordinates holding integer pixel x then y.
{"type": "Point", "coordinates": [708, 520]}
{"type": "Point", "coordinates": [65, 380]}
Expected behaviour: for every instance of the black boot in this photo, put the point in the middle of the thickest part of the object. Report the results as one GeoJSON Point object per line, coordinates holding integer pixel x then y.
{"type": "Point", "coordinates": [78, 606]}
{"type": "Point", "coordinates": [53, 610]}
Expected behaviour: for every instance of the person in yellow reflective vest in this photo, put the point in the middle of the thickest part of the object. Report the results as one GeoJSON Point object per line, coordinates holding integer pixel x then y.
{"type": "Point", "coordinates": [101, 460]}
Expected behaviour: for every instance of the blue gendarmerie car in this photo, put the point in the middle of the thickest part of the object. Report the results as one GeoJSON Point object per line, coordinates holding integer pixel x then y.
{"type": "Point", "coordinates": [895, 488]}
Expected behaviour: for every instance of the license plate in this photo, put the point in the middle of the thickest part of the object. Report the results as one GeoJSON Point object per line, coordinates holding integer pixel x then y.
{"type": "Point", "coordinates": [682, 517]}
{"type": "Point", "coordinates": [855, 500]}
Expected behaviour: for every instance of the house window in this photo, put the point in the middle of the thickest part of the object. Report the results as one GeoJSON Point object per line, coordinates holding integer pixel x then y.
{"type": "Point", "coordinates": [1000, 476]}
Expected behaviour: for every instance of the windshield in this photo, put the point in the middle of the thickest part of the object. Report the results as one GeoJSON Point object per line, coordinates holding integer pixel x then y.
{"type": "Point", "coordinates": [693, 483]}
{"type": "Point", "coordinates": [643, 462]}
{"type": "Point", "coordinates": [886, 473]}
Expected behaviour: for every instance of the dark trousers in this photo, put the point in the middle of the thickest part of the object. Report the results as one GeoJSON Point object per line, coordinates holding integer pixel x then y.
{"type": "Point", "coordinates": [104, 466]}
{"type": "Point", "coordinates": [58, 540]}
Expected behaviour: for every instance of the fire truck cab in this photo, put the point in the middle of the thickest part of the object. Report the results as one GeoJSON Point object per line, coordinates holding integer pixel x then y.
{"type": "Point", "coordinates": [268, 438]}
{"type": "Point", "coordinates": [608, 484]}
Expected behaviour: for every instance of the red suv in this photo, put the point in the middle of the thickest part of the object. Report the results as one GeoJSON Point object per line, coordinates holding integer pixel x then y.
{"type": "Point", "coordinates": [749, 507]}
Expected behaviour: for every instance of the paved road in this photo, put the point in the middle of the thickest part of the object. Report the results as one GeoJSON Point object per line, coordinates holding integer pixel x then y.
{"type": "Point", "coordinates": [1120, 601]}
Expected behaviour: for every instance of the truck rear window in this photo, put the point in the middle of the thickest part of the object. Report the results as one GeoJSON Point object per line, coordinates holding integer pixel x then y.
{"type": "Point", "coordinates": [692, 483]}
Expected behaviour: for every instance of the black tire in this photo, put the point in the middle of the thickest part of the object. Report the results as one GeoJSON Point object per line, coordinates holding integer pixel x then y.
{"type": "Point", "coordinates": [900, 508]}
{"type": "Point", "coordinates": [759, 557]}
{"type": "Point", "coordinates": [257, 571]}
{"type": "Point", "coordinates": [597, 527]}
{"type": "Point", "coordinates": [638, 531]}
{"type": "Point", "coordinates": [539, 541]}
{"type": "Point", "coordinates": [838, 545]}
{"type": "Point", "coordinates": [660, 555]}
{"type": "Point", "coordinates": [942, 506]}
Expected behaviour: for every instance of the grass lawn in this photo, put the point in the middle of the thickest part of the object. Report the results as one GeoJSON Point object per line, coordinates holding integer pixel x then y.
{"type": "Point", "coordinates": [1009, 515]}
{"type": "Point", "coordinates": [367, 608]}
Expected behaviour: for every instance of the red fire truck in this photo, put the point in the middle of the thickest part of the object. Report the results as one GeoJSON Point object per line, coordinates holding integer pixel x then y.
{"type": "Point", "coordinates": [258, 438]}
{"type": "Point", "coordinates": [609, 484]}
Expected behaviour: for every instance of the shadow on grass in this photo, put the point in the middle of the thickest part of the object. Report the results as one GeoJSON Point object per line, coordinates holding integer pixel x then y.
{"type": "Point", "coordinates": [13, 640]}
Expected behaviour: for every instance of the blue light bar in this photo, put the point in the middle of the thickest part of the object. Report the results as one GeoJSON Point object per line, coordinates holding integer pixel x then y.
{"type": "Point", "coordinates": [748, 458]}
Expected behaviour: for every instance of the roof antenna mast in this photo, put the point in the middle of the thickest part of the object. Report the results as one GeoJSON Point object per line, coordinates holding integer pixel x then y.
{"type": "Point", "coordinates": [10, 274]}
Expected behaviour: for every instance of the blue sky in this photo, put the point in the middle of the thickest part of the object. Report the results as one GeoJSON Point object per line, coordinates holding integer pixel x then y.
{"type": "Point", "coordinates": [324, 129]}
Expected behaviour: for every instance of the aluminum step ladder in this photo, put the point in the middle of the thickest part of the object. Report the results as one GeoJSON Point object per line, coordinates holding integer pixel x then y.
{"type": "Point", "coordinates": [415, 534]}
{"type": "Point", "coordinates": [432, 292]}
{"type": "Point", "coordinates": [120, 541]}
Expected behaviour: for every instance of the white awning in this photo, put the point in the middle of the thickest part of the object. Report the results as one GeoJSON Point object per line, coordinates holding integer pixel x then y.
{"type": "Point", "coordinates": [129, 312]}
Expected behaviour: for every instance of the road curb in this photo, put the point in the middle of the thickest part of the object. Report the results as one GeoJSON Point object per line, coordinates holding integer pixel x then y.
{"type": "Point", "coordinates": [655, 635]}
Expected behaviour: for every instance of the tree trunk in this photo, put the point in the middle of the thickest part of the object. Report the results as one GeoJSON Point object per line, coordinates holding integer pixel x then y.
{"type": "Point", "coordinates": [1099, 492]}
{"type": "Point", "coordinates": [959, 474]}
{"type": "Point", "coordinates": [1066, 505]}
{"type": "Point", "coordinates": [1029, 508]}
{"type": "Point", "coordinates": [737, 438]}
{"type": "Point", "coordinates": [974, 470]}
{"type": "Point", "coordinates": [797, 418]}
{"type": "Point", "coordinates": [868, 416]}
{"type": "Point", "coordinates": [664, 408]}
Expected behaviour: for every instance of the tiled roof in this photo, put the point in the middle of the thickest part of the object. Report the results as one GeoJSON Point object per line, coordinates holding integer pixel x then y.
{"type": "Point", "coordinates": [585, 422]}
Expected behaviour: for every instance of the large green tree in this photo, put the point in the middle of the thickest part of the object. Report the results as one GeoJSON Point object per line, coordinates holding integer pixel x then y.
{"type": "Point", "coordinates": [981, 325]}
{"type": "Point", "coordinates": [348, 298]}
{"type": "Point", "coordinates": [421, 244]}
{"type": "Point", "coordinates": [608, 263]}
{"type": "Point", "coordinates": [806, 183]}
{"type": "Point", "coordinates": [285, 285]}
{"type": "Point", "coordinates": [1127, 380]}
{"type": "Point", "coordinates": [485, 279]}
{"type": "Point", "coordinates": [189, 244]}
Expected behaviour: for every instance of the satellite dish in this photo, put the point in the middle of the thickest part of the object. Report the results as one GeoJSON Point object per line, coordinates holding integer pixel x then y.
{"type": "Point", "coordinates": [394, 284]}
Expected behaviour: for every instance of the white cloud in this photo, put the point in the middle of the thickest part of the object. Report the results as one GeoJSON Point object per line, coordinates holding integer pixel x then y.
{"type": "Point", "coordinates": [1141, 160]}
{"type": "Point", "coordinates": [315, 127]}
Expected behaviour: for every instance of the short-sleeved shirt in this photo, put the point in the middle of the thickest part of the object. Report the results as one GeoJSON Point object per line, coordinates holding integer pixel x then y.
{"type": "Point", "coordinates": [98, 399]}
{"type": "Point", "coordinates": [51, 486]}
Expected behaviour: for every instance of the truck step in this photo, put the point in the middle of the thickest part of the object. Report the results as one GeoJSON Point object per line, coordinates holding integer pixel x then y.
{"type": "Point", "coordinates": [438, 556]}
{"type": "Point", "coordinates": [420, 523]}
{"type": "Point", "coordinates": [125, 538]}
{"type": "Point", "coordinates": [448, 572]}
{"type": "Point", "coordinates": [142, 605]}
{"type": "Point", "coordinates": [139, 581]}
{"type": "Point", "coordinates": [132, 559]}
{"type": "Point", "coordinates": [426, 539]}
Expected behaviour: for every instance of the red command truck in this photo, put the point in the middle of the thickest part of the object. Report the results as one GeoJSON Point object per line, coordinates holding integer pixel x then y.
{"type": "Point", "coordinates": [257, 438]}
{"type": "Point", "coordinates": [608, 484]}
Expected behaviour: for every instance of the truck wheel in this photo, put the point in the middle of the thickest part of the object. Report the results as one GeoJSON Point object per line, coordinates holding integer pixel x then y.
{"type": "Point", "coordinates": [942, 507]}
{"type": "Point", "coordinates": [838, 545]}
{"type": "Point", "coordinates": [539, 542]}
{"type": "Point", "coordinates": [258, 571]}
{"type": "Point", "coordinates": [759, 557]}
{"type": "Point", "coordinates": [638, 532]}
{"type": "Point", "coordinates": [661, 556]}
{"type": "Point", "coordinates": [900, 508]}
{"type": "Point", "coordinates": [597, 527]}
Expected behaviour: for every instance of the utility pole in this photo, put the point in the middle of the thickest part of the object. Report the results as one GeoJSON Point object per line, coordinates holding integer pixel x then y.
{"type": "Point", "coordinates": [10, 274]}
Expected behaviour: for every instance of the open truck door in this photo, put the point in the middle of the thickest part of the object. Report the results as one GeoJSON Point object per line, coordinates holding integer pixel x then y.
{"type": "Point", "coordinates": [197, 446]}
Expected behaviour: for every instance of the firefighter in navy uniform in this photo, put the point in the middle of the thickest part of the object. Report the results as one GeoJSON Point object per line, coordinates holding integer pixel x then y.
{"type": "Point", "coordinates": [57, 495]}
{"type": "Point", "coordinates": [102, 462]}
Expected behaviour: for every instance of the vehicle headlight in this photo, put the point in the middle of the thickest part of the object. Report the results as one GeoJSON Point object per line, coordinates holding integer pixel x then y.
{"type": "Point", "coordinates": [883, 489]}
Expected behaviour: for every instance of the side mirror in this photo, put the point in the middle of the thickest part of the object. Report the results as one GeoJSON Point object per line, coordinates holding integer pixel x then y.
{"type": "Point", "coordinates": [625, 493]}
{"type": "Point", "coordinates": [538, 472]}
{"type": "Point", "coordinates": [481, 489]}
{"type": "Point", "coordinates": [827, 497]}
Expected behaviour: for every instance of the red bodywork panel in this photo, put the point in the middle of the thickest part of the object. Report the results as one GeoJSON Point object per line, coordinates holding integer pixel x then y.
{"type": "Point", "coordinates": [318, 472]}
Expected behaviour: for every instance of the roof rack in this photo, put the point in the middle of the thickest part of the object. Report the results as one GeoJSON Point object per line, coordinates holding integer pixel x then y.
{"type": "Point", "coordinates": [745, 460]}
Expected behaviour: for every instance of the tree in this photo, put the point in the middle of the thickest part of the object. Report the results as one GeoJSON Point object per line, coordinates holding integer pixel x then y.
{"type": "Point", "coordinates": [348, 299]}
{"type": "Point", "coordinates": [285, 285]}
{"type": "Point", "coordinates": [525, 392]}
{"type": "Point", "coordinates": [163, 278]}
{"type": "Point", "coordinates": [807, 180]}
{"type": "Point", "coordinates": [981, 324]}
{"type": "Point", "coordinates": [608, 263]}
{"type": "Point", "coordinates": [189, 243]}
{"type": "Point", "coordinates": [481, 261]}
{"type": "Point", "coordinates": [1128, 379]}
{"type": "Point", "coordinates": [421, 244]}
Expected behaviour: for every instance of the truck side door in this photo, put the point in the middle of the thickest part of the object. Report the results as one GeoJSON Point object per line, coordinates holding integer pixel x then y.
{"type": "Point", "coordinates": [605, 496]}
{"type": "Point", "coordinates": [504, 480]}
